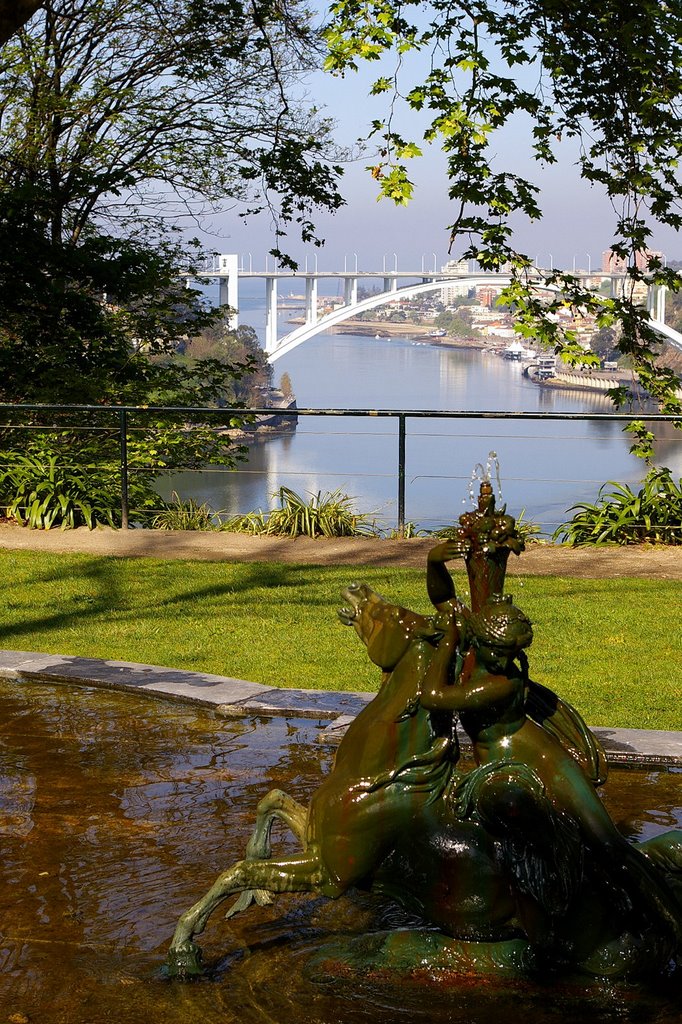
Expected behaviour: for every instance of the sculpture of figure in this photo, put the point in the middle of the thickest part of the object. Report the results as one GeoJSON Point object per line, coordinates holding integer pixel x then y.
{"type": "Point", "coordinates": [521, 845]}
{"type": "Point", "coordinates": [485, 538]}
{"type": "Point", "coordinates": [491, 697]}
{"type": "Point", "coordinates": [392, 762]}
{"type": "Point", "coordinates": [390, 778]}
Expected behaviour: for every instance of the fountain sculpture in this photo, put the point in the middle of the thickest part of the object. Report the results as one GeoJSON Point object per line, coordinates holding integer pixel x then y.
{"type": "Point", "coordinates": [513, 865]}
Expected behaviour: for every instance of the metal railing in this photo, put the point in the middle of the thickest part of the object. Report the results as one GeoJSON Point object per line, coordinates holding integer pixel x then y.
{"type": "Point", "coordinates": [120, 421]}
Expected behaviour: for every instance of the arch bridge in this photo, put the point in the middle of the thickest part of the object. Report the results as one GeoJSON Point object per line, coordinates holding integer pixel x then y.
{"type": "Point", "coordinates": [396, 285]}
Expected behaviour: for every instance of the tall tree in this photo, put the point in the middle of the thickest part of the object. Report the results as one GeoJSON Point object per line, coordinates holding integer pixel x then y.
{"type": "Point", "coordinates": [607, 73]}
{"type": "Point", "coordinates": [117, 119]}
{"type": "Point", "coordinates": [115, 108]}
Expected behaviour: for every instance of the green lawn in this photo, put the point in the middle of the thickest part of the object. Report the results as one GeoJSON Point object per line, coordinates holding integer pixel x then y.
{"type": "Point", "coordinates": [611, 647]}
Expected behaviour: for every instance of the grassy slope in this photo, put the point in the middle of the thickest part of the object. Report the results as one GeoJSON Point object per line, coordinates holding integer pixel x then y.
{"type": "Point", "coordinates": [611, 647]}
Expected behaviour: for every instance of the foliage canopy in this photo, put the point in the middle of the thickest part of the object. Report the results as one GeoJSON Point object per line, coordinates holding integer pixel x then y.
{"type": "Point", "coordinates": [116, 118]}
{"type": "Point", "coordinates": [116, 108]}
{"type": "Point", "coordinates": [119, 118]}
{"type": "Point", "coordinates": [604, 73]}
{"type": "Point", "coordinates": [14, 14]}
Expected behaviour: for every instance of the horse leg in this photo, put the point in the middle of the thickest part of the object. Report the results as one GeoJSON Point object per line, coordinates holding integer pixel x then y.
{"type": "Point", "coordinates": [275, 806]}
{"type": "Point", "coordinates": [298, 873]}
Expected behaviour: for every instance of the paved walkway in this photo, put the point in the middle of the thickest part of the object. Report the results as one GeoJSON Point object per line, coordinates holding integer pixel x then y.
{"type": "Point", "coordinates": [538, 559]}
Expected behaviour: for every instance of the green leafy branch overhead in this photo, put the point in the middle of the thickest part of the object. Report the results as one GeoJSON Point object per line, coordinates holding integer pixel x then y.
{"type": "Point", "coordinates": [604, 73]}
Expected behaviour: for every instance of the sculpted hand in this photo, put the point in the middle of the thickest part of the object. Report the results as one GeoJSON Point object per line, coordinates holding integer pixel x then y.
{"type": "Point", "coordinates": [449, 549]}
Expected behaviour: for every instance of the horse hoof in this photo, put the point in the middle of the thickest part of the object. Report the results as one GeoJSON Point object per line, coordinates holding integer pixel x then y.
{"type": "Point", "coordinates": [184, 961]}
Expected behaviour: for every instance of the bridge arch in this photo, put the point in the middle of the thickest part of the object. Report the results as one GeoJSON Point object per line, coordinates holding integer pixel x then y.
{"type": "Point", "coordinates": [308, 331]}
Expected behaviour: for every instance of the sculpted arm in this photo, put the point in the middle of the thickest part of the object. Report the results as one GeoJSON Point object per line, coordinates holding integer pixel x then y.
{"type": "Point", "coordinates": [439, 583]}
{"type": "Point", "coordinates": [476, 693]}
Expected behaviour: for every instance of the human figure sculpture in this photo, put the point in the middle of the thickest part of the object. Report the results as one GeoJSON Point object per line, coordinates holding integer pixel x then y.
{"type": "Point", "coordinates": [490, 695]}
{"type": "Point", "coordinates": [485, 538]}
{"type": "Point", "coordinates": [521, 845]}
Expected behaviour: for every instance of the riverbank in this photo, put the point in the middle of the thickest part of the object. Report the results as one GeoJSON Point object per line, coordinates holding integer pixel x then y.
{"type": "Point", "coordinates": [566, 380]}
{"type": "Point", "coordinates": [385, 331]}
{"type": "Point", "coordinates": [270, 423]}
{"type": "Point", "coordinates": [599, 381]}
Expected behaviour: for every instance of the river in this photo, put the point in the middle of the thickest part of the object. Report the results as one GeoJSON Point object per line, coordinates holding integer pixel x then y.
{"type": "Point", "coordinates": [545, 466]}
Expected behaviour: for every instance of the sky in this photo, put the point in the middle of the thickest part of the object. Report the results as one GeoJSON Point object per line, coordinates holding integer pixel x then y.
{"type": "Point", "coordinates": [577, 225]}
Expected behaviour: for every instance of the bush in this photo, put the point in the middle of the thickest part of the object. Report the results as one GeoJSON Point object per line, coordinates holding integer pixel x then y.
{"type": "Point", "coordinates": [46, 489]}
{"type": "Point", "coordinates": [185, 515]}
{"type": "Point", "coordinates": [68, 473]}
{"type": "Point", "coordinates": [329, 514]}
{"type": "Point", "coordinates": [652, 515]}
{"type": "Point", "coordinates": [39, 493]}
{"type": "Point", "coordinates": [409, 532]}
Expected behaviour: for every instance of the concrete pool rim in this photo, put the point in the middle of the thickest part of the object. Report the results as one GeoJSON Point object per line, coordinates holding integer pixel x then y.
{"type": "Point", "coordinates": [239, 698]}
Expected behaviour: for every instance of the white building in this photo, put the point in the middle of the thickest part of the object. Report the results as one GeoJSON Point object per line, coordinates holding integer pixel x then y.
{"type": "Point", "coordinates": [456, 290]}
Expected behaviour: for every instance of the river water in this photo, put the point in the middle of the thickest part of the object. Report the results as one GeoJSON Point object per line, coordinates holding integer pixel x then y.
{"type": "Point", "coordinates": [545, 466]}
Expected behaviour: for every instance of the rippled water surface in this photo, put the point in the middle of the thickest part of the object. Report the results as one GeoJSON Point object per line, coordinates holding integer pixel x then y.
{"type": "Point", "coordinates": [116, 813]}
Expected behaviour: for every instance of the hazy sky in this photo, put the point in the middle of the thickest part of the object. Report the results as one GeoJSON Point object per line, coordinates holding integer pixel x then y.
{"type": "Point", "coordinates": [577, 220]}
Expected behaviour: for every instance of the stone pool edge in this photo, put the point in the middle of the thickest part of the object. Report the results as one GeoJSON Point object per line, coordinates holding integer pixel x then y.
{"type": "Point", "coordinates": [239, 698]}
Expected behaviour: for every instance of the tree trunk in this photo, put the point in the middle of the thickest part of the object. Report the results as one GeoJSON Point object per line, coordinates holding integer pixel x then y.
{"type": "Point", "coordinates": [14, 14]}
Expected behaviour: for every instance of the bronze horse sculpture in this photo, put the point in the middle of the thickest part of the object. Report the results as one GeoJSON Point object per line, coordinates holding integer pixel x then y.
{"type": "Point", "coordinates": [390, 763]}
{"type": "Point", "coordinates": [519, 848]}
{"type": "Point", "coordinates": [393, 790]}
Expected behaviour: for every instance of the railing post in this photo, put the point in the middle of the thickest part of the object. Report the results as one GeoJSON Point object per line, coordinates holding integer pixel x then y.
{"type": "Point", "coordinates": [401, 474]}
{"type": "Point", "coordinates": [123, 429]}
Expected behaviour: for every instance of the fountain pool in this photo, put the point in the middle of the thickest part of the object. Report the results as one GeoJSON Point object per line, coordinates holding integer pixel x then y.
{"type": "Point", "coordinates": [115, 810]}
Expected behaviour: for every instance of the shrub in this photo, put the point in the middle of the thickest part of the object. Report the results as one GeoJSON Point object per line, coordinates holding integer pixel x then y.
{"type": "Point", "coordinates": [185, 515]}
{"type": "Point", "coordinates": [40, 494]}
{"type": "Point", "coordinates": [328, 514]}
{"type": "Point", "coordinates": [652, 515]}
{"type": "Point", "coordinates": [409, 531]}
{"type": "Point", "coordinates": [44, 489]}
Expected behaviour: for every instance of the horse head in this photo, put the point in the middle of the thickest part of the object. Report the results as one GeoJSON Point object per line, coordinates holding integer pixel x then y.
{"type": "Point", "coordinates": [387, 630]}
